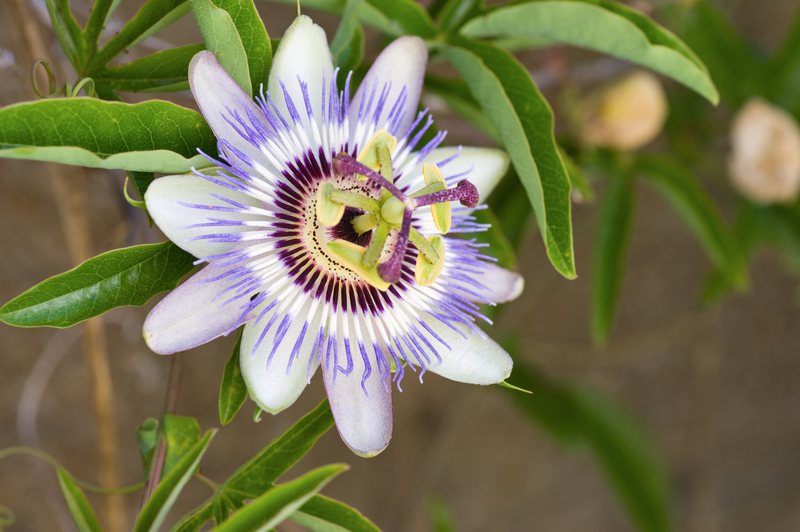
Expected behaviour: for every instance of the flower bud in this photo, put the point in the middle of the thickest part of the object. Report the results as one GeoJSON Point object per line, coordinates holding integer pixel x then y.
{"type": "Point", "coordinates": [764, 165]}
{"type": "Point", "coordinates": [626, 115]}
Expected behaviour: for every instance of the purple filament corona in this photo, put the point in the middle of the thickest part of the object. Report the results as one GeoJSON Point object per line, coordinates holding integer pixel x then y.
{"type": "Point", "coordinates": [278, 272]}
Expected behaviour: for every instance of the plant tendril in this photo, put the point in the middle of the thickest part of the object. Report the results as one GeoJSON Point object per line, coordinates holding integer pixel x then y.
{"type": "Point", "coordinates": [38, 453]}
{"type": "Point", "coordinates": [136, 203]}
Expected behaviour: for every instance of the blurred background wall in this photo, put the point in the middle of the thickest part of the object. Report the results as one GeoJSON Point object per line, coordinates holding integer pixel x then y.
{"type": "Point", "coordinates": [716, 388]}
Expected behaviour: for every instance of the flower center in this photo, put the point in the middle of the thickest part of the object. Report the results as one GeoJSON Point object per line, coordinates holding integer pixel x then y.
{"type": "Point", "coordinates": [369, 235]}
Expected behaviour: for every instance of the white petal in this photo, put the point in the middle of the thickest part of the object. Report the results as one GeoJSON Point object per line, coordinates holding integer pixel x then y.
{"type": "Point", "coordinates": [270, 385]}
{"type": "Point", "coordinates": [499, 285]}
{"type": "Point", "coordinates": [476, 359]}
{"type": "Point", "coordinates": [402, 64]}
{"type": "Point", "coordinates": [189, 316]}
{"type": "Point", "coordinates": [483, 167]}
{"type": "Point", "coordinates": [218, 95]}
{"type": "Point", "coordinates": [364, 420]}
{"type": "Point", "coordinates": [164, 197]}
{"type": "Point", "coordinates": [303, 52]}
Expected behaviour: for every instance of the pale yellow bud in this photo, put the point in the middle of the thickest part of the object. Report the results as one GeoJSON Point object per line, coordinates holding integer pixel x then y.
{"type": "Point", "coordinates": [764, 165]}
{"type": "Point", "coordinates": [626, 115]}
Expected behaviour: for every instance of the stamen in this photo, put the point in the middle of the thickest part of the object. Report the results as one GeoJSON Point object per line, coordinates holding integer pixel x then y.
{"type": "Point", "coordinates": [465, 192]}
{"type": "Point", "coordinates": [428, 271]}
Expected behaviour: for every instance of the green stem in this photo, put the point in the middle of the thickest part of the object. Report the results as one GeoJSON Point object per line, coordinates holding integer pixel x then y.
{"type": "Point", "coordinates": [38, 453]}
{"type": "Point", "coordinates": [353, 199]}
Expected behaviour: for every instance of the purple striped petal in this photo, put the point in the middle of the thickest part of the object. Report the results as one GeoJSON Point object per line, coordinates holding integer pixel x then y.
{"type": "Point", "coordinates": [190, 315]}
{"type": "Point", "coordinates": [473, 357]}
{"type": "Point", "coordinates": [219, 96]}
{"type": "Point", "coordinates": [303, 54]}
{"type": "Point", "coordinates": [364, 420]}
{"type": "Point", "coordinates": [177, 202]}
{"type": "Point", "coordinates": [402, 64]}
{"type": "Point", "coordinates": [276, 373]}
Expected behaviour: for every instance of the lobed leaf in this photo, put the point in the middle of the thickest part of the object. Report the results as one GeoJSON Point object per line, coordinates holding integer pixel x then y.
{"type": "Point", "coordinates": [68, 32]}
{"type": "Point", "coordinates": [678, 187]}
{"type": "Point", "coordinates": [524, 121]}
{"type": "Point", "coordinates": [128, 276]}
{"type": "Point", "coordinates": [82, 513]}
{"type": "Point", "coordinates": [153, 136]}
{"type": "Point", "coordinates": [611, 246]}
{"type": "Point", "coordinates": [346, 34]}
{"type": "Point", "coordinates": [182, 434]}
{"type": "Point", "coordinates": [603, 26]}
{"type": "Point", "coordinates": [233, 390]}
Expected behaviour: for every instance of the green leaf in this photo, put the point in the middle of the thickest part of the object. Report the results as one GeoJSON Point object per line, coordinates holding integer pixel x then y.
{"type": "Point", "coordinates": [142, 180]}
{"type": "Point", "coordinates": [234, 32]}
{"type": "Point", "coordinates": [147, 436]}
{"type": "Point", "coordinates": [408, 15]}
{"type": "Point", "coordinates": [352, 54]}
{"type": "Point", "coordinates": [441, 516]}
{"type": "Point", "coordinates": [256, 41]}
{"type": "Point", "coordinates": [321, 514]}
{"type": "Point", "coordinates": [346, 33]}
{"type": "Point", "coordinates": [279, 502]}
{"type": "Point", "coordinates": [576, 416]}
{"type": "Point", "coordinates": [604, 26]}
{"type": "Point", "coordinates": [159, 72]}
{"type": "Point", "coordinates": [459, 99]}
{"type": "Point", "coordinates": [524, 122]}
{"type": "Point", "coordinates": [499, 246]}
{"type": "Point", "coordinates": [156, 508]}
{"type": "Point", "coordinates": [731, 64]}
{"type": "Point", "coordinates": [782, 75]}
{"type": "Point", "coordinates": [577, 179]}
{"type": "Point", "coordinates": [79, 506]}
{"type": "Point", "coordinates": [182, 435]}
{"type": "Point", "coordinates": [260, 472]}
{"type": "Point", "coordinates": [128, 276]}
{"type": "Point", "coordinates": [367, 14]}
{"type": "Point", "coordinates": [678, 187]}
{"type": "Point", "coordinates": [98, 19]}
{"type": "Point", "coordinates": [233, 390]}
{"type": "Point", "coordinates": [153, 16]}
{"type": "Point", "coordinates": [751, 226]}
{"type": "Point", "coordinates": [610, 250]}
{"type": "Point", "coordinates": [153, 136]}
{"type": "Point", "coordinates": [458, 12]}
{"type": "Point", "coordinates": [68, 32]}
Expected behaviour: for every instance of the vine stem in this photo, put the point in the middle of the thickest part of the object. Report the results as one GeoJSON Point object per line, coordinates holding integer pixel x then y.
{"type": "Point", "coordinates": [170, 407]}
{"type": "Point", "coordinates": [68, 184]}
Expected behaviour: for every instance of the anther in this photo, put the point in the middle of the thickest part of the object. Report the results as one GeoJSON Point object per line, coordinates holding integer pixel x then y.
{"type": "Point", "coordinates": [464, 192]}
{"type": "Point", "coordinates": [426, 271]}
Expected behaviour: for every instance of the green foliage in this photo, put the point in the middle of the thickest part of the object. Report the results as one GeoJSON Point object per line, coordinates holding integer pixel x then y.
{"type": "Point", "coordinates": [279, 502]}
{"type": "Point", "coordinates": [576, 416]}
{"type": "Point", "coordinates": [163, 71]}
{"type": "Point", "coordinates": [731, 64]}
{"type": "Point", "coordinates": [524, 121]}
{"type": "Point", "coordinates": [321, 514]}
{"type": "Point", "coordinates": [347, 46]}
{"type": "Point", "coordinates": [233, 390]}
{"type": "Point", "coordinates": [153, 136]}
{"type": "Point", "coordinates": [613, 230]}
{"type": "Point", "coordinates": [459, 99]}
{"type": "Point", "coordinates": [147, 437]}
{"type": "Point", "coordinates": [234, 32]}
{"type": "Point", "coordinates": [588, 24]}
{"type": "Point", "coordinates": [693, 205]}
{"type": "Point", "coordinates": [441, 516]}
{"type": "Point", "coordinates": [82, 513]}
{"type": "Point", "coordinates": [156, 508]}
{"type": "Point", "coordinates": [129, 276]}
{"type": "Point", "coordinates": [151, 17]}
{"type": "Point", "coordinates": [260, 473]}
